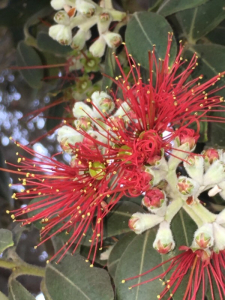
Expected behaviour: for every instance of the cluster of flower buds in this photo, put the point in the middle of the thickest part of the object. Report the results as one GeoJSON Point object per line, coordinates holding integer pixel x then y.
{"type": "Point", "coordinates": [84, 14]}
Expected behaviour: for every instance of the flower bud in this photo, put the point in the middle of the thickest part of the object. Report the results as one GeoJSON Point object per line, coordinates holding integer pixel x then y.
{"type": "Point", "coordinates": [61, 17]}
{"type": "Point", "coordinates": [154, 200]}
{"type": "Point", "coordinates": [112, 39]}
{"type": "Point", "coordinates": [188, 136]}
{"type": "Point", "coordinates": [104, 22]}
{"type": "Point", "coordinates": [61, 33]}
{"type": "Point", "coordinates": [221, 218]}
{"type": "Point", "coordinates": [83, 123]}
{"type": "Point", "coordinates": [98, 47]}
{"type": "Point", "coordinates": [68, 137]}
{"type": "Point", "coordinates": [80, 38]}
{"type": "Point", "coordinates": [59, 4]}
{"type": "Point", "coordinates": [203, 236]}
{"type": "Point", "coordinates": [219, 235]}
{"type": "Point", "coordinates": [103, 102]}
{"type": "Point", "coordinates": [97, 170]}
{"type": "Point", "coordinates": [194, 165]}
{"type": "Point", "coordinates": [187, 186]}
{"type": "Point", "coordinates": [85, 8]}
{"type": "Point", "coordinates": [164, 241]}
{"type": "Point", "coordinates": [215, 174]}
{"type": "Point", "coordinates": [140, 222]}
{"type": "Point", "coordinates": [210, 155]}
{"type": "Point", "coordinates": [81, 109]}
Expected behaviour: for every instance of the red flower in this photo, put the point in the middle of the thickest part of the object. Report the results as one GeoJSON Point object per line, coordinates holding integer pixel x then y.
{"type": "Point", "coordinates": [104, 169]}
{"type": "Point", "coordinates": [200, 266]}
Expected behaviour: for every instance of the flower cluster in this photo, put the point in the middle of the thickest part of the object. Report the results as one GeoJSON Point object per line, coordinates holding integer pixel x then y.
{"type": "Point", "coordinates": [128, 145]}
{"type": "Point", "coordinates": [84, 14]}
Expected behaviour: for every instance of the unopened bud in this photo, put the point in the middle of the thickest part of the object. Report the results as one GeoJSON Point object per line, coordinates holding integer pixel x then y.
{"type": "Point", "coordinates": [154, 199]}
{"type": "Point", "coordinates": [80, 38]}
{"type": "Point", "coordinates": [97, 49]}
{"type": "Point", "coordinates": [59, 4]}
{"type": "Point", "coordinates": [68, 137]}
{"type": "Point", "coordinates": [219, 235]}
{"type": "Point", "coordinates": [61, 33]}
{"type": "Point", "coordinates": [118, 15]}
{"type": "Point", "coordinates": [164, 241]}
{"type": "Point", "coordinates": [83, 123]}
{"type": "Point", "coordinates": [188, 136]}
{"type": "Point", "coordinates": [103, 102]}
{"type": "Point", "coordinates": [210, 155]}
{"type": "Point", "coordinates": [112, 39]}
{"type": "Point", "coordinates": [104, 22]}
{"type": "Point", "coordinates": [194, 165]}
{"type": "Point", "coordinates": [215, 174]}
{"type": "Point", "coordinates": [203, 236]}
{"type": "Point", "coordinates": [61, 17]}
{"type": "Point", "coordinates": [85, 8]}
{"type": "Point", "coordinates": [81, 109]}
{"type": "Point", "coordinates": [140, 222]}
{"type": "Point", "coordinates": [187, 186]}
{"type": "Point", "coordinates": [97, 170]}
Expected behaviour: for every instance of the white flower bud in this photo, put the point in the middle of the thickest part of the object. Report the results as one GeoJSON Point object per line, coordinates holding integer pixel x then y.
{"type": "Point", "coordinates": [203, 237]}
{"type": "Point", "coordinates": [187, 186]}
{"type": "Point", "coordinates": [219, 235]}
{"type": "Point", "coordinates": [61, 17]}
{"type": "Point", "coordinates": [112, 39]}
{"type": "Point", "coordinates": [78, 41]}
{"type": "Point", "coordinates": [164, 241]}
{"type": "Point", "coordinates": [81, 109]}
{"type": "Point", "coordinates": [194, 165]}
{"type": "Point", "coordinates": [221, 218]}
{"type": "Point", "coordinates": [140, 222]}
{"type": "Point", "coordinates": [104, 22]}
{"type": "Point", "coordinates": [67, 136]}
{"type": "Point", "coordinates": [103, 102]}
{"type": "Point", "coordinates": [58, 4]}
{"type": "Point", "coordinates": [97, 49]}
{"type": "Point", "coordinates": [61, 33]}
{"type": "Point", "coordinates": [215, 174]}
{"type": "Point", "coordinates": [86, 8]}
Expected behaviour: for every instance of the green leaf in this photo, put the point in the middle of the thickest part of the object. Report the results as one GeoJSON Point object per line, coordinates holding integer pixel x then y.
{"type": "Point", "coordinates": [26, 56]}
{"type": "Point", "coordinates": [6, 240]}
{"type": "Point", "coordinates": [117, 252]}
{"type": "Point", "coordinates": [211, 62]}
{"type": "Point", "coordinates": [45, 291]}
{"type": "Point", "coordinates": [198, 21]}
{"type": "Point", "coordinates": [73, 277]}
{"type": "Point", "coordinates": [3, 296]}
{"type": "Point", "coordinates": [18, 292]}
{"type": "Point", "coordinates": [139, 256]}
{"type": "Point", "coordinates": [215, 35]}
{"type": "Point", "coordinates": [47, 44]}
{"type": "Point", "coordinates": [141, 35]}
{"type": "Point", "coordinates": [169, 7]}
{"type": "Point", "coordinates": [110, 68]}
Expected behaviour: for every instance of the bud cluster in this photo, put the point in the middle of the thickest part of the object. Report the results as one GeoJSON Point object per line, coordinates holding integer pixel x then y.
{"type": "Point", "coordinates": [84, 14]}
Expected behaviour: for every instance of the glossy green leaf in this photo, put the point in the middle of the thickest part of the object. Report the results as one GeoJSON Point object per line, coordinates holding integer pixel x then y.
{"type": "Point", "coordinates": [211, 62]}
{"type": "Point", "coordinates": [47, 44]}
{"type": "Point", "coordinates": [141, 35]}
{"type": "Point", "coordinates": [18, 292]}
{"type": "Point", "coordinates": [73, 278]}
{"type": "Point", "coordinates": [198, 21]}
{"type": "Point", "coordinates": [215, 36]}
{"type": "Point", "coordinates": [6, 240]}
{"type": "Point", "coordinates": [27, 56]}
{"type": "Point", "coordinates": [139, 256]}
{"type": "Point", "coordinates": [117, 252]}
{"type": "Point", "coordinates": [169, 7]}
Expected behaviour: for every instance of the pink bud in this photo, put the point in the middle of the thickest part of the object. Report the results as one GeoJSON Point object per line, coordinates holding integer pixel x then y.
{"type": "Point", "coordinates": [164, 248]}
{"type": "Point", "coordinates": [188, 136]}
{"type": "Point", "coordinates": [154, 198]}
{"type": "Point", "coordinates": [210, 155]}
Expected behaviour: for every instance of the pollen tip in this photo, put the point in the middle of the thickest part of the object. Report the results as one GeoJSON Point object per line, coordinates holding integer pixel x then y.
{"type": "Point", "coordinates": [123, 281]}
{"type": "Point", "coordinates": [47, 261]}
{"type": "Point", "coordinates": [7, 211]}
{"type": "Point", "coordinates": [130, 287]}
{"type": "Point", "coordinates": [91, 266]}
